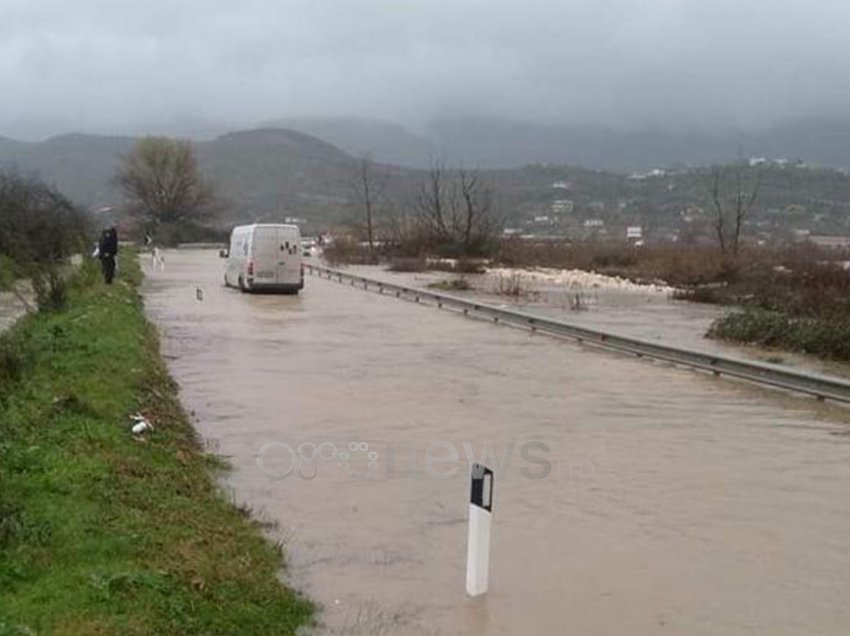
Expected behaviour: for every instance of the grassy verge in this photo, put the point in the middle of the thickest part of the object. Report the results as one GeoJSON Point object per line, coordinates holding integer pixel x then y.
{"type": "Point", "coordinates": [101, 532]}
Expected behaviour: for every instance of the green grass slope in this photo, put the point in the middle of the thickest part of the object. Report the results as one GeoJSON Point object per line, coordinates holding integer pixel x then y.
{"type": "Point", "coordinates": [102, 532]}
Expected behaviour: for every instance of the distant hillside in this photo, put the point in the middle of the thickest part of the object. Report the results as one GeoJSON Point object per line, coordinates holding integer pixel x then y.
{"type": "Point", "coordinates": [273, 173]}
{"type": "Point", "coordinates": [79, 165]}
{"type": "Point", "coordinates": [278, 172]}
{"type": "Point", "coordinates": [498, 143]}
{"type": "Point", "coordinates": [261, 172]}
{"type": "Point", "coordinates": [493, 143]}
{"type": "Point", "coordinates": [384, 141]}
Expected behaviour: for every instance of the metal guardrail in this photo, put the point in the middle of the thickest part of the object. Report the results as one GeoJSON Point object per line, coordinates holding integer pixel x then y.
{"type": "Point", "coordinates": [821, 386]}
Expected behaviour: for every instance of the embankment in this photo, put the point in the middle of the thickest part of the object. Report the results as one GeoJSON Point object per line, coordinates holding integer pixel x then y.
{"type": "Point", "coordinates": [102, 531]}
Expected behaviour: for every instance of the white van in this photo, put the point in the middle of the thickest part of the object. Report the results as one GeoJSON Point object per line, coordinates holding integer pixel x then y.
{"type": "Point", "coordinates": [264, 257]}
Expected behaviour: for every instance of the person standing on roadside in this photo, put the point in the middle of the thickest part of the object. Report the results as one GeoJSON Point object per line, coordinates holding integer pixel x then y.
{"type": "Point", "coordinates": [107, 251]}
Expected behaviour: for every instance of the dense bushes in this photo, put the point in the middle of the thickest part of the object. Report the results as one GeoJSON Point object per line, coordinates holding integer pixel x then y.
{"type": "Point", "coordinates": [800, 305]}
{"type": "Point", "coordinates": [39, 230]}
{"type": "Point", "coordinates": [38, 225]}
{"type": "Point", "coordinates": [827, 338]}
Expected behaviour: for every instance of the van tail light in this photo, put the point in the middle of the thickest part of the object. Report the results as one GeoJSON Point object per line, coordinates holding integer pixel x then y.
{"type": "Point", "coordinates": [250, 268]}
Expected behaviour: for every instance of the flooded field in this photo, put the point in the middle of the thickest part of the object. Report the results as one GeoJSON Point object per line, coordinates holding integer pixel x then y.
{"type": "Point", "coordinates": [638, 311]}
{"type": "Point", "coordinates": [631, 497]}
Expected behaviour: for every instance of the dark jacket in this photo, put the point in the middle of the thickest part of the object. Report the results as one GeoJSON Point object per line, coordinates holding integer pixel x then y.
{"type": "Point", "coordinates": [108, 244]}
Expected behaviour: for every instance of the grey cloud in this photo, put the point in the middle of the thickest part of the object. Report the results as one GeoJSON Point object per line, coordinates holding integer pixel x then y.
{"type": "Point", "coordinates": [107, 64]}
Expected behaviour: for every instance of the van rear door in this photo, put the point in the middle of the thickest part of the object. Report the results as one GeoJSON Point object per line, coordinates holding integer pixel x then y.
{"type": "Point", "coordinates": [289, 256]}
{"type": "Point", "coordinates": [264, 254]}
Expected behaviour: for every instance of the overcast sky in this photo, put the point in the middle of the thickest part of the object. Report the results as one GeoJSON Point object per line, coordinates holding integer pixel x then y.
{"type": "Point", "coordinates": [128, 64]}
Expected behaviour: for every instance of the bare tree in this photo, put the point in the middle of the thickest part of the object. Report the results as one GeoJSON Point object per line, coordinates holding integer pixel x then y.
{"type": "Point", "coordinates": [733, 191]}
{"type": "Point", "coordinates": [162, 181]}
{"type": "Point", "coordinates": [431, 202]}
{"type": "Point", "coordinates": [368, 186]}
{"type": "Point", "coordinates": [455, 207]}
{"type": "Point", "coordinates": [479, 222]}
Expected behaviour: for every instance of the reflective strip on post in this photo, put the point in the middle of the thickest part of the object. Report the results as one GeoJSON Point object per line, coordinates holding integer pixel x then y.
{"type": "Point", "coordinates": [478, 540]}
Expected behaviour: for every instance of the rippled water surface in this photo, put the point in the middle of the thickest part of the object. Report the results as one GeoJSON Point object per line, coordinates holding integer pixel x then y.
{"type": "Point", "coordinates": [674, 501]}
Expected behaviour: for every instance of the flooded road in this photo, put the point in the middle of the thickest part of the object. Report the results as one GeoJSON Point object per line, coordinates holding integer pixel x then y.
{"type": "Point", "coordinates": [636, 311]}
{"type": "Point", "coordinates": [633, 497]}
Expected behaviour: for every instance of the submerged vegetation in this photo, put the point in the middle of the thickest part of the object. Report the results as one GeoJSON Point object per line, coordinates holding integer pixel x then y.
{"type": "Point", "coordinates": [801, 306]}
{"type": "Point", "coordinates": [451, 284]}
{"type": "Point", "coordinates": [794, 298]}
{"type": "Point", "coordinates": [103, 531]}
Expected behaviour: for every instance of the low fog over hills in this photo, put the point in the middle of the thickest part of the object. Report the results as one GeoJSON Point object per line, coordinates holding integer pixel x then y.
{"type": "Point", "coordinates": [501, 143]}
{"type": "Point", "coordinates": [618, 85]}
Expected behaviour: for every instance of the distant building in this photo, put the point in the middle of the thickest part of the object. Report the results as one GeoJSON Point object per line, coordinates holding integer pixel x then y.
{"type": "Point", "coordinates": [562, 206]}
{"type": "Point", "coordinates": [634, 232]}
{"type": "Point", "coordinates": [593, 223]}
{"type": "Point", "coordinates": [832, 242]}
{"type": "Point", "coordinates": [561, 185]}
{"type": "Point", "coordinates": [655, 172]}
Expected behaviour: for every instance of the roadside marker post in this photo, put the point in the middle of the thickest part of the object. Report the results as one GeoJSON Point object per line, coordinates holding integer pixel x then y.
{"type": "Point", "coordinates": [478, 539]}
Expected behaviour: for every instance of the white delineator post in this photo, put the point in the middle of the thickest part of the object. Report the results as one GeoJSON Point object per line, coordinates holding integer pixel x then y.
{"type": "Point", "coordinates": [478, 541]}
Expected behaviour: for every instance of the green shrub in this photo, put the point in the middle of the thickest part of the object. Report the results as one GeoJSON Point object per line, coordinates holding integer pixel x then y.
{"type": "Point", "coordinates": [816, 336]}
{"type": "Point", "coordinates": [7, 273]}
{"type": "Point", "coordinates": [51, 289]}
{"type": "Point", "coordinates": [12, 364]}
{"type": "Point", "coordinates": [451, 284]}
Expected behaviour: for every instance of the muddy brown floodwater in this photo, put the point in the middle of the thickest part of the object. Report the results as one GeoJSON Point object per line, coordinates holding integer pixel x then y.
{"type": "Point", "coordinates": [634, 498]}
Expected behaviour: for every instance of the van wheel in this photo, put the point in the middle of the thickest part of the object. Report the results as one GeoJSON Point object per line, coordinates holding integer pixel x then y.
{"type": "Point", "coordinates": [242, 285]}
